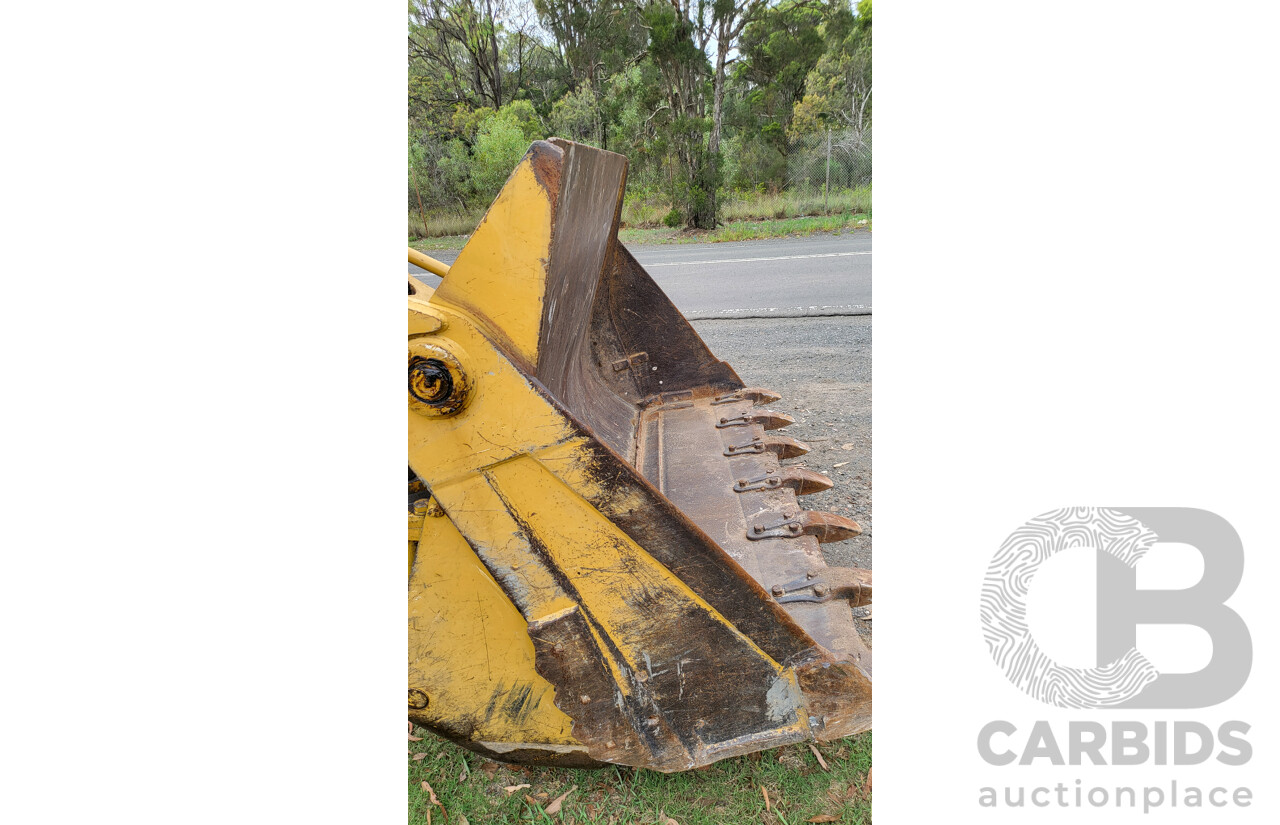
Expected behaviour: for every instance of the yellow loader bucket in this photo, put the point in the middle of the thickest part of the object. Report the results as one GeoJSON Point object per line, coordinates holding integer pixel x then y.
{"type": "Point", "coordinates": [607, 561]}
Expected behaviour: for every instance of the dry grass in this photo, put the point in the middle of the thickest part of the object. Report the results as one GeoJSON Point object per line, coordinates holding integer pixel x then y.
{"type": "Point", "coordinates": [441, 224]}
{"type": "Point", "coordinates": [644, 212]}
{"type": "Point", "coordinates": [648, 213]}
{"type": "Point", "coordinates": [790, 205]}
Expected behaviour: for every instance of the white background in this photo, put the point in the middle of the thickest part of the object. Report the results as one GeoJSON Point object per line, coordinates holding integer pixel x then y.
{"type": "Point", "coordinates": [203, 596]}
{"type": "Point", "coordinates": [1076, 283]}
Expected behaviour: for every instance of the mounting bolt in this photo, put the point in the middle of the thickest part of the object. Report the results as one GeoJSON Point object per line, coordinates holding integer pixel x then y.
{"type": "Point", "coordinates": [757, 529]}
{"type": "Point", "coordinates": [779, 590]}
{"type": "Point", "coordinates": [819, 590]}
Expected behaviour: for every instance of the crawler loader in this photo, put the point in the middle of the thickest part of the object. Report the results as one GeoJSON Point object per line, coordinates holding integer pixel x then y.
{"type": "Point", "coordinates": [607, 558]}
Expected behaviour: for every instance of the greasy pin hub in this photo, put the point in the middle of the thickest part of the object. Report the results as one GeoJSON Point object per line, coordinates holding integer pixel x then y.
{"type": "Point", "coordinates": [430, 381]}
{"type": "Point", "coordinates": [438, 386]}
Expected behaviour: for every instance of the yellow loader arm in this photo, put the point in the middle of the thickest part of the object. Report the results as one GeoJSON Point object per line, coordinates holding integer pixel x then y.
{"type": "Point", "coordinates": [607, 561]}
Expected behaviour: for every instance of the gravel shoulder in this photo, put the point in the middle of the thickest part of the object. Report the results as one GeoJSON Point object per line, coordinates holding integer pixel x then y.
{"type": "Point", "coordinates": [822, 369]}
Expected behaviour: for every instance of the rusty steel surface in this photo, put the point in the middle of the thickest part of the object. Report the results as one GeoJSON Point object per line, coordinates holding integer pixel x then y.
{"type": "Point", "coordinates": [579, 455]}
{"type": "Point", "coordinates": [683, 453]}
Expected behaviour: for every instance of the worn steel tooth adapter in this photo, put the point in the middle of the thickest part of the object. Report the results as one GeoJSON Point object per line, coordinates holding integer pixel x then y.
{"type": "Point", "coordinates": [595, 534]}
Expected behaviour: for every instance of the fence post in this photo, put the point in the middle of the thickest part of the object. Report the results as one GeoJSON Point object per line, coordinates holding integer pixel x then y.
{"type": "Point", "coordinates": [826, 192]}
{"type": "Point", "coordinates": [421, 214]}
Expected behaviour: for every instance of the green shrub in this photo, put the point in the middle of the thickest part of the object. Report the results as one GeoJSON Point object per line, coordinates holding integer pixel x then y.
{"type": "Point", "coordinates": [673, 218]}
{"type": "Point", "coordinates": [500, 144]}
{"type": "Point", "coordinates": [523, 115]}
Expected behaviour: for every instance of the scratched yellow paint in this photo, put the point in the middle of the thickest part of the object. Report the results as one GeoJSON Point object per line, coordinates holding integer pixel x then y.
{"type": "Point", "coordinates": [477, 510]}
{"type": "Point", "coordinates": [423, 319]}
{"type": "Point", "coordinates": [470, 651]}
{"type": "Point", "coordinates": [604, 563]}
{"type": "Point", "coordinates": [428, 263]}
{"type": "Point", "coordinates": [501, 273]}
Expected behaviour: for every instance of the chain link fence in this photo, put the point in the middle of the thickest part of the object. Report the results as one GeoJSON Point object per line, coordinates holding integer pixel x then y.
{"type": "Point", "coordinates": [834, 161]}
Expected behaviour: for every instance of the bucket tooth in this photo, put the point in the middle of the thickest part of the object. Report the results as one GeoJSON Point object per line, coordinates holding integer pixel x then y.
{"type": "Point", "coordinates": [756, 395]}
{"type": "Point", "coordinates": [779, 445]}
{"type": "Point", "coordinates": [825, 527]}
{"type": "Point", "coordinates": [805, 482]}
{"type": "Point", "coordinates": [768, 419]}
{"type": "Point", "coordinates": [785, 447]}
{"type": "Point", "coordinates": [799, 480]}
{"type": "Point", "coordinates": [826, 584]}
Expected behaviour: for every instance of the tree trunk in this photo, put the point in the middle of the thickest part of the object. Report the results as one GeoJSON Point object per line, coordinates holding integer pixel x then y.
{"type": "Point", "coordinates": [496, 79]}
{"type": "Point", "coordinates": [422, 214]}
{"type": "Point", "coordinates": [707, 176]}
{"type": "Point", "coordinates": [717, 109]}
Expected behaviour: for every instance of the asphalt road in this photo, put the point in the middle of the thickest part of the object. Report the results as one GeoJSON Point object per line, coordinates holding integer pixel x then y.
{"type": "Point", "coordinates": [821, 275]}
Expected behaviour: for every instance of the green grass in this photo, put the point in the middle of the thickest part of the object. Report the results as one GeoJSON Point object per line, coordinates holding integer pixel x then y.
{"type": "Point", "coordinates": [471, 786]}
{"type": "Point", "coordinates": [745, 230]}
{"type": "Point", "coordinates": [442, 242]}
